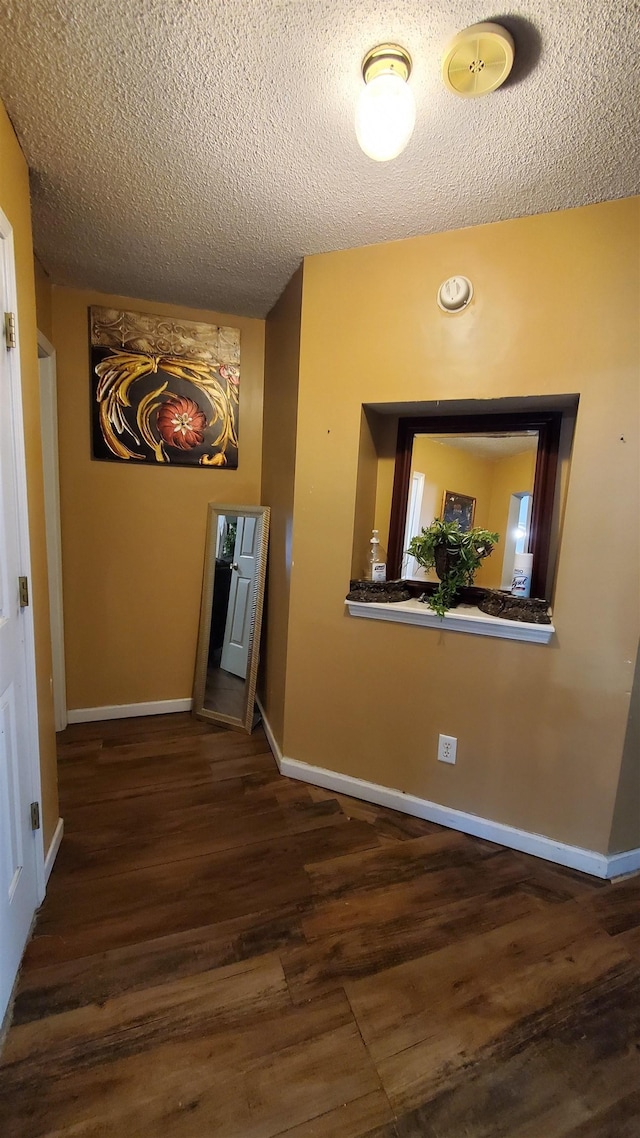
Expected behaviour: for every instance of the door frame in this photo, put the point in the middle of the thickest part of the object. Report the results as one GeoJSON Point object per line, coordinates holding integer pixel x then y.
{"type": "Point", "coordinates": [49, 435]}
{"type": "Point", "coordinates": [24, 546]}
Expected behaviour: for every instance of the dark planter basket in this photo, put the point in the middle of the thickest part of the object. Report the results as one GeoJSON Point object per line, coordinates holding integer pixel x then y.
{"type": "Point", "coordinates": [445, 560]}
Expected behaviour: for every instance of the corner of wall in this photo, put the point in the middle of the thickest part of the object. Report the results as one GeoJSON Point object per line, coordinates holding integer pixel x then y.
{"type": "Point", "coordinates": [625, 826]}
{"type": "Point", "coordinates": [44, 302]}
{"type": "Point", "coordinates": [282, 359]}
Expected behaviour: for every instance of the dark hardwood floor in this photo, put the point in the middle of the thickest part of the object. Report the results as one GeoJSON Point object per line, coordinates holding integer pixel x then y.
{"type": "Point", "coordinates": [225, 952]}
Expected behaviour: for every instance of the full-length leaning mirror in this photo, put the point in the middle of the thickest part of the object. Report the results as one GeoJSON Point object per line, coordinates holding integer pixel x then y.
{"type": "Point", "coordinates": [231, 615]}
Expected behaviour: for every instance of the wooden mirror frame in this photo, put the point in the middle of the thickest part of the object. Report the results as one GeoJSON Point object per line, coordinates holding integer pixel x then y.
{"type": "Point", "coordinates": [546, 423]}
{"type": "Point", "coordinates": [245, 722]}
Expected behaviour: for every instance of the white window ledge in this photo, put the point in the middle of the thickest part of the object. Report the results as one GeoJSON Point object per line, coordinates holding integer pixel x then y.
{"type": "Point", "coordinates": [464, 618]}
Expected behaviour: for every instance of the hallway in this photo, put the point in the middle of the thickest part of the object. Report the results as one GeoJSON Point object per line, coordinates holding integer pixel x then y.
{"type": "Point", "coordinates": [226, 952]}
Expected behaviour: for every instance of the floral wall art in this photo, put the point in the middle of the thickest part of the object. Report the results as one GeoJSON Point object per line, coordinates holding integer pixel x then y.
{"type": "Point", "coordinates": [163, 390]}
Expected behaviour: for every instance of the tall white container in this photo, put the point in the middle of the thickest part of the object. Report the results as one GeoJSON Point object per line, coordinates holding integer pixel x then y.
{"type": "Point", "coordinates": [521, 580]}
{"type": "Point", "coordinates": [376, 565]}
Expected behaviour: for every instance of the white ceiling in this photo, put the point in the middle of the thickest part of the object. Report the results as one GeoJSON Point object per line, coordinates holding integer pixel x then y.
{"type": "Point", "coordinates": [194, 150]}
{"type": "Point", "coordinates": [489, 446]}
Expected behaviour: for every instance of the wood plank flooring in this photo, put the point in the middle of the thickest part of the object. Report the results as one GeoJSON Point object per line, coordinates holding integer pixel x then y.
{"type": "Point", "coordinates": [226, 953]}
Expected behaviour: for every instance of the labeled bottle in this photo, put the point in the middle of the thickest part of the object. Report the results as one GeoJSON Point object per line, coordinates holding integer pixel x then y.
{"type": "Point", "coordinates": [376, 565]}
{"type": "Point", "coordinates": [521, 581]}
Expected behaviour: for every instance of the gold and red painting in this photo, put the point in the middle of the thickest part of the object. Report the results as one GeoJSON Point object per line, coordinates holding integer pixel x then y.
{"type": "Point", "coordinates": [163, 390]}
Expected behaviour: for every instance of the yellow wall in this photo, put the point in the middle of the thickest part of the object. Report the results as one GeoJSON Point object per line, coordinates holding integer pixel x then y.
{"type": "Point", "coordinates": [625, 830]}
{"type": "Point", "coordinates": [14, 202]}
{"type": "Point", "coordinates": [365, 501]}
{"type": "Point", "coordinates": [491, 481]}
{"type": "Point", "coordinates": [376, 458]}
{"type": "Point", "coordinates": [385, 437]}
{"type": "Point", "coordinates": [133, 536]}
{"type": "Point", "coordinates": [282, 350]}
{"type": "Point", "coordinates": [447, 468]}
{"type": "Point", "coordinates": [510, 476]}
{"type": "Point", "coordinates": [43, 300]}
{"type": "Point", "coordinates": [540, 728]}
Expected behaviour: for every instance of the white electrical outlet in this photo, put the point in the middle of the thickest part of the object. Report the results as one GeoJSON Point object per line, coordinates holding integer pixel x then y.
{"type": "Point", "coordinates": [447, 745]}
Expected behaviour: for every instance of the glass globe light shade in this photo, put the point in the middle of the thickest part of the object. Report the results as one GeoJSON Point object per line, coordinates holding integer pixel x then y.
{"type": "Point", "coordinates": [385, 116]}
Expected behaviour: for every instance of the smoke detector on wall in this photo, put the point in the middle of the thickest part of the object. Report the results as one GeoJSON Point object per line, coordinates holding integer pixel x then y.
{"type": "Point", "coordinates": [455, 294]}
{"type": "Point", "coordinates": [478, 60]}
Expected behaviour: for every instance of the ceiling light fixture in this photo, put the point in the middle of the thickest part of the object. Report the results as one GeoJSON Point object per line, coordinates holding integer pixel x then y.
{"type": "Point", "coordinates": [386, 111]}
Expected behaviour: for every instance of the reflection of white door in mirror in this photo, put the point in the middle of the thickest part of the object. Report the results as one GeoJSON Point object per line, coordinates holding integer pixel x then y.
{"type": "Point", "coordinates": [230, 615]}
{"type": "Point", "coordinates": [237, 633]}
{"type": "Point", "coordinates": [410, 567]}
{"type": "Point", "coordinates": [516, 538]}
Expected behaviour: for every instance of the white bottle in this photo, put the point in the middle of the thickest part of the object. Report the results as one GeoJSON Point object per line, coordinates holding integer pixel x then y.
{"type": "Point", "coordinates": [521, 581]}
{"type": "Point", "coordinates": [376, 566]}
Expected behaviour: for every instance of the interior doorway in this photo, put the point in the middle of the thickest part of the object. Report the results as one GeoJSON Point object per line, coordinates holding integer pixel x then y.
{"type": "Point", "coordinates": [237, 633]}
{"type": "Point", "coordinates": [516, 539]}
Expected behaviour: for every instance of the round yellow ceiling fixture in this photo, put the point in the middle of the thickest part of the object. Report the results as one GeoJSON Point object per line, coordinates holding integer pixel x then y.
{"type": "Point", "coordinates": [478, 60]}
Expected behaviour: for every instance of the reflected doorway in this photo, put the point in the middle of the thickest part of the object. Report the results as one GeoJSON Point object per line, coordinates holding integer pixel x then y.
{"type": "Point", "coordinates": [230, 636]}
{"type": "Point", "coordinates": [516, 539]}
{"type": "Point", "coordinates": [230, 615]}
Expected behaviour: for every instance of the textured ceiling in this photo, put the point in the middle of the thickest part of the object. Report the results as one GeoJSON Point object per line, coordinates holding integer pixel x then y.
{"type": "Point", "coordinates": [489, 446]}
{"type": "Point", "coordinates": [194, 150]}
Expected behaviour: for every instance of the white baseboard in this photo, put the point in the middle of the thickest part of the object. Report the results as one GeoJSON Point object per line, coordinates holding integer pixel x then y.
{"type": "Point", "coordinates": [128, 710]}
{"type": "Point", "coordinates": [574, 857]}
{"type": "Point", "coordinates": [622, 864]}
{"type": "Point", "coordinates": [52, 852]}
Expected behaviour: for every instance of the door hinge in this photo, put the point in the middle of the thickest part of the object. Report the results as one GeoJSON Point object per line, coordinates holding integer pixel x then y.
{"type": "Point", "coordinates": [10, 329]}
{"type": "Point", "coordinates": [23, 589]}
{"type": "Point", "coordinates": [35, 815]}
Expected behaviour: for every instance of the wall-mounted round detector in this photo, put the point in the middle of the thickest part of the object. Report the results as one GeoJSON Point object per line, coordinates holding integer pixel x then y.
{"type": "Point", "coordinates": [478, 60]}
{"type": "Point", "coordinates": [455, 294]}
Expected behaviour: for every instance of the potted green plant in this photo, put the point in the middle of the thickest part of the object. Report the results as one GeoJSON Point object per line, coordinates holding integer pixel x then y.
{"type": "Point", "coordinates": [454, 554]}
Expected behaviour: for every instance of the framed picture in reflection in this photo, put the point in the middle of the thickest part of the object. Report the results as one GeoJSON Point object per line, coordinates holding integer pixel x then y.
{"type": "Point", "coordinates": [458, 508]}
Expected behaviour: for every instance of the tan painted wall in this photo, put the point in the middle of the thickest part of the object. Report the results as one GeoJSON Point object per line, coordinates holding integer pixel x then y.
{"type": "Point", "coordinates": [490, 481]}
{"type": "Point", "coordinates": [14, 201]}
{"type": "Point", "coordinates": [133, 537]}
{"type": "Point", "coordinates": [540, 728]}
{"type": "Point", "coordinates": [44, 312]}
{"type": "Point", "coordinates": [365, 503]}
{"type": "Point", "coordinates": [385, 436]}
{"type": "Point", "coordinates": [625, 830]}
{"type": "Point", "coordinates": [445, 468]}
{"type": "Point", "coordinates": [282, 350]}
{"type": "Point", "coordinates": [509, 476]}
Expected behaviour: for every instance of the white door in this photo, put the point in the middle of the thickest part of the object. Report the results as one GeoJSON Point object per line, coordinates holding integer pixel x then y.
{"type": "Point", "coordinates": [21, 866]}
{"type": "Point", "coordinates": [237, 633]}
{"type": "Point", "coordinates": [516, 538]}
{"type": "Point", "coordinates": [410, 567]}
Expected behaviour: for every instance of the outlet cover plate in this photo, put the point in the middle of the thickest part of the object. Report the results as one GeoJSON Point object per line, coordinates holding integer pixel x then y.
{"type": "Point", "coordinates": [447, 745]}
